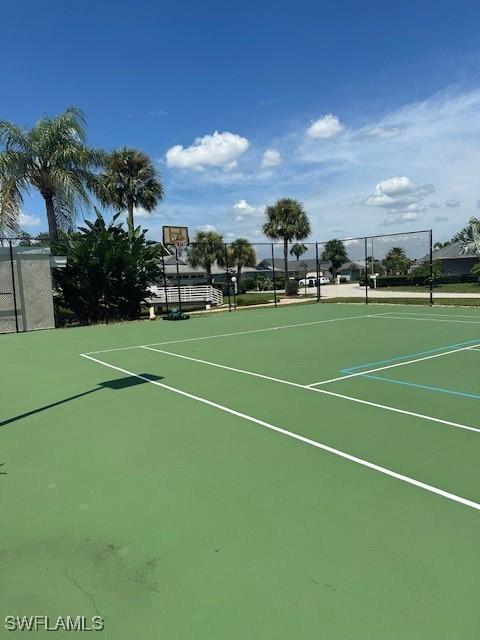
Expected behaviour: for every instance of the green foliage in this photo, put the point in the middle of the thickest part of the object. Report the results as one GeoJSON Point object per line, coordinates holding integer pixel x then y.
{"type": "Point", "coordinates": [476, 270]}
{"type": "Point", "coordinates": [291, 288]}
{"type": "Point", "coordinates": [206, 249]}
{"type": "Point", "coordinates": [51, 157]}
{"type": "Point", "coordinates": [336, 254]}
{"type": "Point", "coordinates": [129, 180]}
{"type": "Point", "coordinates": [287, 221]}
{"type": "Point", "coordinates": [396, 261]}
{"type": "Point", "coordinates": [108, 272]}
{"type": "Point", "coordinates": [241, 254]}
{"type": "Point", "coordinates": [470, 237]}
{"type": "Point", "coordinates": [298, 249]}
{"type": "Point", "coordinates": [248, 284]}
{"type": "Point", "coordinates": [423, 270]}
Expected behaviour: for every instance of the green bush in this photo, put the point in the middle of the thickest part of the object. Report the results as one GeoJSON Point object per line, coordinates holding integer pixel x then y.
{"type": "Point", "coordinates": [291, 288]}
{"type": "Point", "coordinates": [108, 272]}
{"type": "Point", "coordinates": [248, 284]}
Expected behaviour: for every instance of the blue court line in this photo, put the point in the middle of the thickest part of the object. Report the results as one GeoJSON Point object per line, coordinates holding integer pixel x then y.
{"type": "Point", "coordinates": [409, 355]}
{"type": "Point", "coordinates": [427, 387]}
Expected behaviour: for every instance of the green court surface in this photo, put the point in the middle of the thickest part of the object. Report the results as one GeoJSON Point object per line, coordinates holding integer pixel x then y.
{"type": "Point", "coordinates": [306, 472]}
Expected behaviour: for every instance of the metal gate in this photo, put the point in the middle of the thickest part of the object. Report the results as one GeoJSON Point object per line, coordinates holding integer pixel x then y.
{"type": "Point", "coordinates": [26, 297]}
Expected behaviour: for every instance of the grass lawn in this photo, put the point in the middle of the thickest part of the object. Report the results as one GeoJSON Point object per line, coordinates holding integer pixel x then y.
{"type": "Point", "coordinates": [457, 302]}
{"type": "Point", "coordinates": [454, 287]}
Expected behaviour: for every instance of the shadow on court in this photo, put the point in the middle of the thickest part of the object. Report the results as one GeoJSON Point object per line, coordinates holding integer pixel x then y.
{"type": "Point", "coordinates": [115, 385]}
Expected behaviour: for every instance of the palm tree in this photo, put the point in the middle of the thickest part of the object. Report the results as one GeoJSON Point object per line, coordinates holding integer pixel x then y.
{"type": "Point", "coordinates": [470, 237]}
{"type": "Point", "coordinates": [298, 249]}
{"type": "Point", "coordinates": [206, 249]}
{"type": "Point", "coordinates": [242, 254]}
{"type": "Point", "coordinates": [53, 158]}
{"type": "Point", "coordinates": [129, 180]}
{"type": "Point", "coordinates": [336, 254]}
{"type": "Point", "coordinates": [286, 220]}
{"type": "Point", "coordinates": [397, 260]}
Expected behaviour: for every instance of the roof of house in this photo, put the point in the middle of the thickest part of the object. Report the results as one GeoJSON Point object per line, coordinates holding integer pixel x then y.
{"type": "Point", "coordinates": [452, 251]}
{"type": "Point", "coordinates": [185, 269]}
{"type": "Point", "coordinates": [293, 265]}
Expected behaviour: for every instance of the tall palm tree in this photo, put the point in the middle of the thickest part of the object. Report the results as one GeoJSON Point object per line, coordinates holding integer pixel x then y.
{"type": "Point", "coordinates": [335, 253]}
{"type": "Point", "coordinates": [51, 157]}
{"type": "Point", "coordinates": [242, 254]}
{"type": "Point", "coordinates": [470, 237]}
{"type": "Point", "coordinates": [287, 221]}
{"type": "Point", "coordinates": [206, 249]}
{"type": "Point", "coordinates": [298, 249]}
{"type": "Point", "coordinates": [129, 180]}
{"type": "Point", "coordinates": [397, 260]}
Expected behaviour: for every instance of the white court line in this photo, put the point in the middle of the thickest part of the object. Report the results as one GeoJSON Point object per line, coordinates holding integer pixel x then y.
{"type": "Point", "coordinates": [443, 315]}
{"type": "Point", "coordinates": [391, 317]}
{"type": "Point", "coordinates": [296, 436]}
{"type": "Point", "coordinates": [391, 366]}
{"type": "Point", "coordinates": [238, 333]}
{"type": "Point", "coordinates": [307, 388]}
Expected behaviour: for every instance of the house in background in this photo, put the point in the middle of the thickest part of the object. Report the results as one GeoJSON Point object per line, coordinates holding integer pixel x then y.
{"type": "Point", "coordinates": [296, 268]}
{"type": "Point", "coordinates": [453, 262]}
{"type": "Point", "coordinates": [189, 275]}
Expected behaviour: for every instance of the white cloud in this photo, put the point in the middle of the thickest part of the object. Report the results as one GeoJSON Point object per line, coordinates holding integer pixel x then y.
{"type": "Point", "coordinates": [216, 150]}
{"type": "Point", "coordinates": [325, 127]}
{"type": "Point", "coordinates": [440, 218]}
{"type": "Point", "coordinates": [271, 158]}
{"type": "Point", "coordinates": [452, 203]}
{"type": "Point", "coordinates": [379, 131]}
{"type": "Point", "coordinates": [27, 220]}
{"type": "Point", "coordinates": [400, 218]}
{"type": "Point", "coordinates": [206, 227]}
{"type": "Point", "coordinates": [400, 198]}
{"type": "Point", "coordinates": [243, 210]}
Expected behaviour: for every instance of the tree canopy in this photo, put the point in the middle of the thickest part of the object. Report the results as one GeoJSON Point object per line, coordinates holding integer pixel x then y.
{"type": "Point", "coordinates": [53, 158]}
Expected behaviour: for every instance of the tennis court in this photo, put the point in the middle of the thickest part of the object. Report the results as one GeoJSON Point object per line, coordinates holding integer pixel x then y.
{"type": "Point", "coordinates": [301, 472]}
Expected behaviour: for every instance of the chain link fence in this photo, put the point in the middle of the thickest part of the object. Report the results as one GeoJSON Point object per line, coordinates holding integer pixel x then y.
{"type": "Point", "coordinates": [399, 267]}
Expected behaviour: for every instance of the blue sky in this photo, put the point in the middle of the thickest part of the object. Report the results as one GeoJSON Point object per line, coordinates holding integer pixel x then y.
{"type": "Point", "coordinates": [368, 112]}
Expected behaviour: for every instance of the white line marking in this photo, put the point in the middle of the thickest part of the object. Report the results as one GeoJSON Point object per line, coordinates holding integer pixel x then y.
{"type": "Point", "coordinates": [386, 317]}
{"type": "Point", "coordinates": [238, 333]}
{"type": "Point", "coordinates": [328, 393]}
{"type": "Point", "coordinates": [296, 436]}
{"type": "Point", "coordinates": [443, 315]}
{"type": "Point", "coordinates": [391, 366]}
{"type": "Point", "coordinates": [474, 349]}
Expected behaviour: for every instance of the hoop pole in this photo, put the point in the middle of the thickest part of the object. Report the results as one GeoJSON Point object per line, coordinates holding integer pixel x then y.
{"type": "Point", "coordinates": [164, 279]}
{"type": "Point", "coordinates": [318, 271]}
{"type": "Point", "coordinates": [178, 281]}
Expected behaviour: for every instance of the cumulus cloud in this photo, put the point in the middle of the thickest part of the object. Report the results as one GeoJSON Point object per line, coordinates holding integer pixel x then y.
{"type": "Point", "coordinates": [400, 218]}
{"type": "Point", "coordinates": [244, 210]}
{"type": "Point", "coordinates": [452, 203]}
{"type": "Point", "coordinates": [206, 227]}
{"type": "Point", "coordinates": [400, 198]}
{"type": "Point", "coordinates": [325, 127]}
{"type": "Point", "coordinates": [27, 220]}
{"type": "Point", "coordinates": [215, 150]}
{"type": "Point", "coordinates": [271, 158]}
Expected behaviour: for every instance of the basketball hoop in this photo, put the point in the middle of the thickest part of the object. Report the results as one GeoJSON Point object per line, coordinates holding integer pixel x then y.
{"type": "Point", "coordinates": [180, 246]}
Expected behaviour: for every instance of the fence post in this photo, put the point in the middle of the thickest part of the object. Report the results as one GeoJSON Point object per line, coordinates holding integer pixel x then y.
{"type": "Point", "coordinates": [13, 286]}
{"type": "Point", "coordinates": [274, 286]}
{"type": "Point", "coordinates": [366, 271]}
{"type": "Point", "coordinates": [318, 271]}
{"type": "Point", "coordinates": [227, 277]}
{"type": "Point", "coordinates": [178, 280]}
{"type": "Point", "coordinates": [431, 267]}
